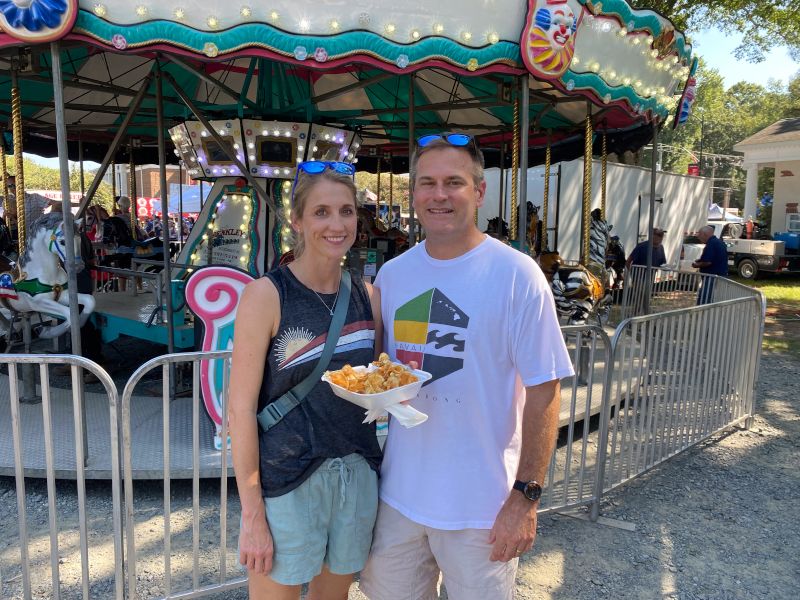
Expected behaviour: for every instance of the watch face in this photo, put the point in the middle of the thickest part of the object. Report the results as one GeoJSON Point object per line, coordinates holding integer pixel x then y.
{"type": "Point", "coordinates": [533, 491]}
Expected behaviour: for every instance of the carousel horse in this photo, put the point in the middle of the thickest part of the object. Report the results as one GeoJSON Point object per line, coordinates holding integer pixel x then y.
{"type": "Point", "coordinates": [370, 228]}
{"type": "Point", "coordinates": [497, 228]}
{"type": "Point", "coordinates": [578, 293]}
{"type": "Point", "coordinates": [42, 282]}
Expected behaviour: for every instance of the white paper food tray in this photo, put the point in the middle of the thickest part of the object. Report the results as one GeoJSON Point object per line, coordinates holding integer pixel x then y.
{"type": "Point", "coordinates": [381, 400]}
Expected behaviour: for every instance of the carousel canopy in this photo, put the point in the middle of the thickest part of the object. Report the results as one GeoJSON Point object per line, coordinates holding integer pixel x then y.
{"type": "Point", "coordinates": [370, 66]}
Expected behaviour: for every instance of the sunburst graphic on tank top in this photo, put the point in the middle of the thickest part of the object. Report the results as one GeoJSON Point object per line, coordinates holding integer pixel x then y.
{"type": "Point", "coordinates": [290, 341]}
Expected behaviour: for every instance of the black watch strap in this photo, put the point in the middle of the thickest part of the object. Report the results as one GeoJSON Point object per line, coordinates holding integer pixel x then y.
{"type": "Point", "coordinates": [530, 489]}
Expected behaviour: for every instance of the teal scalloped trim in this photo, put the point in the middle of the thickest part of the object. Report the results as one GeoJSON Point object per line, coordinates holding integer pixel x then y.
{"type": "Point", "coordinates": [270, 38]}
{"type": "Point", "coordinates": [650, 22]}
{"type": "Point", "coordinates": [595, 82]}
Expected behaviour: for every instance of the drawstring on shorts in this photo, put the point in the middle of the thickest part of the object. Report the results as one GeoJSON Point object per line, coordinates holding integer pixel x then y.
{"type": "Point", "coordinates": [345, 477]}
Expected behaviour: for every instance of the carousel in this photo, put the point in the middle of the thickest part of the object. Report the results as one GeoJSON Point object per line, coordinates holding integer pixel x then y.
{"type": "Point", "coordinates": [238, 95]}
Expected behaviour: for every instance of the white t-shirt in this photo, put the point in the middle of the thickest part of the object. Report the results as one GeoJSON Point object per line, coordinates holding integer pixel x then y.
{"type": "Point", "coordinates": [484, 324]}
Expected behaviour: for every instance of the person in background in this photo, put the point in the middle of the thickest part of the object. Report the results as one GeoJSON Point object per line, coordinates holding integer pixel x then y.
{"type": "Point", "coordinates": [639, 255]}
{"type": "Point", "coordinates": [308, 486]}
{"type": "Point", "coordinates": [459, 493]}
{"type": "Point", "coordinates": [713, 261]}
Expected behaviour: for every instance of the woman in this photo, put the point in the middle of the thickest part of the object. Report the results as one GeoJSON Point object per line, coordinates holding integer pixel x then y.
{"type": "Point", "coordinates": [308, 486]}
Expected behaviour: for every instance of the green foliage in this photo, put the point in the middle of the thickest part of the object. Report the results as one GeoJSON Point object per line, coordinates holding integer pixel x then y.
{"type": "Point", "coordinates": [763, 24]}
{"type": "Point", "coordinates": [399, 185]}
{"type": "Point", "coordinates": [722, 118]}
{"type": "Point", "coordinates": [40, 177]}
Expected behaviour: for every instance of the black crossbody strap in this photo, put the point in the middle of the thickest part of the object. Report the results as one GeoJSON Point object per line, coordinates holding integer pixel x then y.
{"type": "Point", "coordinates": [280, 407]}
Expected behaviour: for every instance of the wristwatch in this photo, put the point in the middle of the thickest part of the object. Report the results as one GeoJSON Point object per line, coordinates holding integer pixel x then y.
{"type": "Point", "coordinates": [531, 489]}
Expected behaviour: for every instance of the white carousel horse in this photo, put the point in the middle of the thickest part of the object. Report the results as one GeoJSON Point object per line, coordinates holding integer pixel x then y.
{"type": "Point", "coordinates": [42, 282]}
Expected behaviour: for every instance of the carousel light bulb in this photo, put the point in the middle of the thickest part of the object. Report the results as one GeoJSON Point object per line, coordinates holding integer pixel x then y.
{"type": "Point", "coordinates": [100, 10]}
{"type": "Point", "coordinates": [415, 34]}
{"type": "Point", "coordinates": [389, 28]}
{"type": "Point", "coordinates": [334, 25]}
{"type": "Point", "coordinates": [286, 230]}
{"type": "Point", "coordinates": [245, 12]}
{"type": "Point", "coordinates": [252, 157]}
{"type": "Point", "coordinates": [575, 61]}
{"type": "Point", "coordinates": [243, 259]}
{"type": "Point", "coordinates": [286, 185]}
{"type": "Point", "coordinates": [276, 133]}
{"type": "Point", "coordinates": [466, 36]}
{"type": "Point", "coordinates": [212, 22]}
{"type": "Point", "coordinates": [141, 10]}
{"type": "Point", "coordinates": [438, 28]}
{"type": "Point", "coordinates": [211, 226]}
{"type": "Point", "coordinates": [493, 37]}
{"type": "Point", "coordinates": [654, 53]}
{"type": "Point", "coordinates": [274, 15]}
{"type": "Point", "coordinates": [305, 25]}
{"type": "Point", "coordinates": [636, 41]}
{"type": "Point", "coordinates": [649, 39]}
{"type": "Point", "coordinates": [300, 148]}
{"type": "Point", "coordinates": [179, 14]}
{"type": "Point", "coordinates": [265, 132]}
{"type": "Point", "coordinates": [236, 146]}
{"type": "Point", "coordinates": [245, 247]}
{"type": "Point", "coordinates": [356, 145]}
{"type": "Point", "coordinates": [612, 75]}
{"type": "Point", "coordinates": [622, 32]}
{"type": "Point", "coordinates": [327, 136]}
{"type": "Point", "coordinates": [299, 160]}
{"type": "Point", "coordinates": [194, 256]}
{"type": "Point", "coordinates": [286, 171]}
{"type": "Point", "coordinates": [251, 145]}
{"type": "Point", "coordinates": [314, 149]}
{"type": "Point", "coordinates": [205, 236]}
{"type": "Point", "coordinates": [626, 80]}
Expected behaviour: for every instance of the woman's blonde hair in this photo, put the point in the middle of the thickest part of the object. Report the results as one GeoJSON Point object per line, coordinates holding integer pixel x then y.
{"type": "Point", "coordinates": [302, 189]}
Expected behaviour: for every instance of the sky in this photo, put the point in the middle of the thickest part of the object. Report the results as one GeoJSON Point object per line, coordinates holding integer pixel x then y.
{"type": "Point", "coordinates": [713, 45]}
{"type": "Point", "coordinates": [716, 48]}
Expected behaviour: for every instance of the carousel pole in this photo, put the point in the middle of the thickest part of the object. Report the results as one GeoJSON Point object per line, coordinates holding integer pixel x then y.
{"type": "Point", "coordinates": [546, 199]}
{"type": "Point", "coordinates": [501, 205]}
{"type": "Point", "coordinates": [523, 159]}
{"type": "Point", "coordinates": [603, 172]}
{"type": "Point", "coordinates": [4, 168]}
{"type": "Point", "coordinates": [180, 202]}
{"type": "Point", "coordinates": [512, 222]}
{"type": "Point", "coordinates": [587, 185]}
{"type": "Point", "coordinates": [391, 191]}
{"type": "Point", "coordinates": [378, 199]}
{"type": "Point", "coordinates": [80, 163]}
{"type": "Point", "coordinates": [412, 225]}
{"type": "Point", "coordinates": [651, 220]}
{"type": "Point", "coordinates": [19, 171]}
{"type": "Point", "coordinates": [113, 180]}
{"type": "Point", "coordinates": [162, 173]}
{"type": "Point", "coordinates": [131, 177]}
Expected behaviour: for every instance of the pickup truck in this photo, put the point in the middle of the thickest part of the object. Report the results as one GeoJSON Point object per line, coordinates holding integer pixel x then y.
{"type": "Point", "coordinates": [748, 258]}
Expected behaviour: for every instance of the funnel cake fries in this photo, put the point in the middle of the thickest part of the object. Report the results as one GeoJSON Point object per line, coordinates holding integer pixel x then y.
{"type": "Point", "coordinates": [386, 376]}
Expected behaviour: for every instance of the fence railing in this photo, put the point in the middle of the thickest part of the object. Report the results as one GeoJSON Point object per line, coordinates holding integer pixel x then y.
{"type": "Point", "coordinates": [664, 383]}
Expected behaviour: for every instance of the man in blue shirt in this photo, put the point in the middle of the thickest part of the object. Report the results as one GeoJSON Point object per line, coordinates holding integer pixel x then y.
{"type": "Point", "coordinates": [639, 254]}
{"type": "Point", "coordinates": [713, 261]}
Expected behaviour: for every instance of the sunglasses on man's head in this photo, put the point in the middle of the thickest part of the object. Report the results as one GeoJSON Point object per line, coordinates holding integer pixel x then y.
{"type": "Point", "coordinates": [454, 139]}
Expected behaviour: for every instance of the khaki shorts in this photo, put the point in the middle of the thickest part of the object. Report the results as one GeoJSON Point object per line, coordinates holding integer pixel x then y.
{"type": "Point", "coordinates": [406, 559]}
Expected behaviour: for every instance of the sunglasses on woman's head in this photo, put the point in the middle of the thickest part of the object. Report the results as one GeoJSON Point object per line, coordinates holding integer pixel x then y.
{"type": "Point", "coordinates": [315, 167]}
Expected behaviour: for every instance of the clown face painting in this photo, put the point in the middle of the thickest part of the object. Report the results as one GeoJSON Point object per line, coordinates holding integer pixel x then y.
{"type": "Point", "coordinates": [548, 39]}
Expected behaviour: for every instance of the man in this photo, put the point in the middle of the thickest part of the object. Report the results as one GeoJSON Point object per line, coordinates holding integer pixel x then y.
{"type": "Point", "coordinates": [713, 261]}
{"type": "Point", "coordinates": [639, 254]}
{"type": "Point", "coordinates": [459, 494]}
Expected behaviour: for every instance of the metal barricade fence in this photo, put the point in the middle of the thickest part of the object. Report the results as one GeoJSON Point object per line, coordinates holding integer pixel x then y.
{"type": "Point", "coordinates": [679, 377]}
{"type": "Point", "coordinates": [40, 425]}
{"type": "Point", "coordinates": [185, 571]}
{"type": "Point", "coordinates": [572, 476]}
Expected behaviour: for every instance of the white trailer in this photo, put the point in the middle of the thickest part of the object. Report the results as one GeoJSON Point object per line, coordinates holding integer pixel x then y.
{"type": "Point", "coordinates": [681, 203]}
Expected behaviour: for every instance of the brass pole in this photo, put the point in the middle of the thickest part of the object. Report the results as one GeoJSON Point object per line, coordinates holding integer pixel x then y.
{"type": "Point", "coordinates": [113, 180]}
{"type": "Point", "coordinates": [4, 169]}
{"type": "Point", "coordinates": [514, 172]}
{"type": "Point", "coordinates": [587, 186]}
{"type": "Point", "coordinates": [546, 199]}
{"type": "Point", "coordinates": [378, 200]}
{"type": "Point", "coordinates": [603, 170]}
{"type": "Point", "coordinates": [19, 172]}
{"type": "Point", "coordinates": [132, 191]}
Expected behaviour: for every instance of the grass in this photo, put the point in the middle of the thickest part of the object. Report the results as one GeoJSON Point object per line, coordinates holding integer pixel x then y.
{"type": "Point", "coordinates": [782, 327]}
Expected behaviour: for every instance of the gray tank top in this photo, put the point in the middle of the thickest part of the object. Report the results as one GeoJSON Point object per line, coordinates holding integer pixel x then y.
{"type": "Point", "coordinates": [323, 425]}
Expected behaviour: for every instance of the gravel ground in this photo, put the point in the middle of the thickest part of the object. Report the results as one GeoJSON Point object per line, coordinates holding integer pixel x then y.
{"type": "Point", "coordinates": [717, 522]}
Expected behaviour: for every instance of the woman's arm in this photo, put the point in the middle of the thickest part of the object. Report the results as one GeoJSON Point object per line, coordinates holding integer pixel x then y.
{"type": "Point", "coordinates": [256, 321]}
{"type": "Point", "coordinates": [375, 303]}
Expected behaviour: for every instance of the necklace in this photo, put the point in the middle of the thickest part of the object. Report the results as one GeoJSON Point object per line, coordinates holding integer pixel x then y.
{"type": "Point", "coordinates": [332, 306]}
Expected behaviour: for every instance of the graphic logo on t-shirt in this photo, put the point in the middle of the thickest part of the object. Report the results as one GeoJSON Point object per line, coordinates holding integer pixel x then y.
{"type": "Point", "coordinates": [430, 329]}
{"type": "Point", "coordinates": [297, 345]}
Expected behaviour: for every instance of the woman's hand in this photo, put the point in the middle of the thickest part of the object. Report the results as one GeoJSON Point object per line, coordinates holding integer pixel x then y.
{"type": "Point", "coordinates": [255, 545]}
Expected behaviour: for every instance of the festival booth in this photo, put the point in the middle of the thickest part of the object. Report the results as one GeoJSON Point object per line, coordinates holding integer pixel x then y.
{"type": "Point", "coordinates": [240, 94]}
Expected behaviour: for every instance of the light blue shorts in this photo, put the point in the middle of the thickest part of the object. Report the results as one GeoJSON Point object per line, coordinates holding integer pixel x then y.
{"type": "Point", "coordinates": [327, 520]}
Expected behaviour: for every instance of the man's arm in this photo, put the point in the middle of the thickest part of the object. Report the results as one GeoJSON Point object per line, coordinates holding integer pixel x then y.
{"type": "Point", "coordinates": [514, 530]}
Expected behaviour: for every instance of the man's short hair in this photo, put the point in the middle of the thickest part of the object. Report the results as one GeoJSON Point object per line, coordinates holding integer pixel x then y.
{"type": "Point", "coordinates": [475, 154]}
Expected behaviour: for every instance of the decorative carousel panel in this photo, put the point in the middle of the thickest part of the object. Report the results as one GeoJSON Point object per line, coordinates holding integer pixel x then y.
{"type": "Point", "coordinates": [632, 58]}
{"type": "Point", "coordinates": [212, 159]}
{"type": "Point", "coordinates": [37, 20]}
{"type": "Point", "coordinates": [274, 148]}
{"type": "Point", "coordinates": [330, 143]}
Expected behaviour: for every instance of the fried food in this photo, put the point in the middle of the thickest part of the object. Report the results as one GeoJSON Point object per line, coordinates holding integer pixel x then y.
{"type": "Point", "coordinates": [387, 376]}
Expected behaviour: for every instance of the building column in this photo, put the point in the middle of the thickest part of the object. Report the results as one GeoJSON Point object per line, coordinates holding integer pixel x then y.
{"type": "Point", "coordinates": [751, 192]}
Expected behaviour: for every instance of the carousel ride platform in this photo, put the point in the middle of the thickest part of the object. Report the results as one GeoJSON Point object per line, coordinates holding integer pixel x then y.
{"type": "Point", "coordinates": [122, 313]}
{"type": "Point", "coordinates": [146, 434]}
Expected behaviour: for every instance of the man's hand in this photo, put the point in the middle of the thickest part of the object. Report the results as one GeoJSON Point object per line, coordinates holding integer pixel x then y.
{"type": "Point", "coordinates": [514, 530]}
{"type": "Point", "coordinates": [255, 545]}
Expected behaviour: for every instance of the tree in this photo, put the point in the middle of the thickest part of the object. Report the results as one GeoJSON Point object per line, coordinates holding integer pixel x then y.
{"type": "Point", "coordinates": [764, 24]}
{"type": "Point", "coordinates": [399, 195]}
